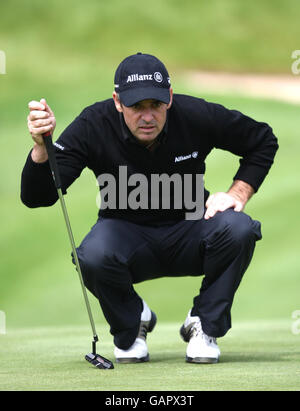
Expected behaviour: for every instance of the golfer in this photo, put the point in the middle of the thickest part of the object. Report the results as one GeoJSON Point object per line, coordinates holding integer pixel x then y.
{"type": "Point", "coordinates": [143, 136]}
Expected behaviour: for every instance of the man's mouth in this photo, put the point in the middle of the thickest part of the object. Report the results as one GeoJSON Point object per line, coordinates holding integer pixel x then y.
{"type": "Point", "coordinates": [147, 129]}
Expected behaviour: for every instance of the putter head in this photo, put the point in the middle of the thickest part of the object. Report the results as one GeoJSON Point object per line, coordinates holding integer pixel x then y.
{"type": "Point", "coordinates": [99, 361]}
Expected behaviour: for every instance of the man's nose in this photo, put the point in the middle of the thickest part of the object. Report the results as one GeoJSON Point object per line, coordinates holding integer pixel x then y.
{"type": "Point", "coordinates": [147, 115]}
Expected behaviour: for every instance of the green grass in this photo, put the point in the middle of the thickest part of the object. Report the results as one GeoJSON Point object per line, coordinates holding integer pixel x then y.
{"type": "Point", "coordinates": [68, 54]}
{"type": "Point", "coordinates": [230, 35]}
{"type": "Point", "coordinates": [256, 355]}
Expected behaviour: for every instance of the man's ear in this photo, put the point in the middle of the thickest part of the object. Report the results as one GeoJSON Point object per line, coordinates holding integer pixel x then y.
{"type": "Point", "coordinates": [171, 98]}
{"type": "Point", "coordinates": [117, 102]}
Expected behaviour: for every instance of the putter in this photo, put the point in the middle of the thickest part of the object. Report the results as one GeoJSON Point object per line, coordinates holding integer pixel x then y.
{"type": "Point", "coordinates": [94, 358]}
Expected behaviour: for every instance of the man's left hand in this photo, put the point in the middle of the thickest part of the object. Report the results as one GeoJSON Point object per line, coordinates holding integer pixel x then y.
{"type": "Point", "coordinates": [221, 202]}
{"type": "Point", "coordinates": [237, 196]}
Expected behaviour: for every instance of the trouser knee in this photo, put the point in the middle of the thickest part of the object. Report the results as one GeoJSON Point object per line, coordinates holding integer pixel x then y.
{"type": "Point", "coordinates": [100, 269]}
{"type": "Point", "coordinates": [234, 234]}
{"type": "Point", "coordinates": [242, 228]}
{"type": "Point", "coordinates": [239, 228]}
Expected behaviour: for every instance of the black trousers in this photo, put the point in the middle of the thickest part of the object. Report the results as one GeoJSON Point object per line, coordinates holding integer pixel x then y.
{"type": "Point", "coordinates": [117, 254]}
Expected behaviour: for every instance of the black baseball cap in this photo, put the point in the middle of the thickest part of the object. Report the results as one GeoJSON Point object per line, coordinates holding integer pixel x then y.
{"type": "Point", "coordinates": [142, 77]}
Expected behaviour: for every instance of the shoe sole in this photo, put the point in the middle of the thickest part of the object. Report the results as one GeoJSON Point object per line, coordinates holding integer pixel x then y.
{"type": "Point", "coordinates": [202, 360]}
{"type": "Point", "coordinates": [132, 360]}
{"type": "Point", "coordinates": [196, 360]}
{"type": "Point", "coordinates": [135, 360]}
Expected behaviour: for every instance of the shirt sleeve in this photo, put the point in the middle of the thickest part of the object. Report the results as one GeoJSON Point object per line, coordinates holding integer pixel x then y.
{"type": "Point", "coordinates": [71, 150]}
{"type": "Point", "coordinates": [253, 141]}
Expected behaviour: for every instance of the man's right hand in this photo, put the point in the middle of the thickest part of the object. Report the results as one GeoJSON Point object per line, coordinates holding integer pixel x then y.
{"type": "Point", "coordinates": [40, 121]}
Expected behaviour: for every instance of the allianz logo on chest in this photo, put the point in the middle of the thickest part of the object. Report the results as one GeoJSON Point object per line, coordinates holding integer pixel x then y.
{"type": "Point", "coordinates": [194, 154]}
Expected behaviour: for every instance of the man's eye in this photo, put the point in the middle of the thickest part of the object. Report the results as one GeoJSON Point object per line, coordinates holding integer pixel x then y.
{"type": "Point", "coordinates": [154, 104]}
{"type": "Point", "coordinates": [157, 104]}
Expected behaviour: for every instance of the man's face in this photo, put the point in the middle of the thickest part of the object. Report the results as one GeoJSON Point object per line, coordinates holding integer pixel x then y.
{"type": "Point", "coordinates": [145, 119]}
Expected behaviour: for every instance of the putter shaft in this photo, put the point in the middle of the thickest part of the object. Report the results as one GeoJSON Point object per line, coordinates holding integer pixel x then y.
{"type": "Point", "coordinates": [74, 252]}
{"type": "Point", "coordinates": [94, 358]}
{"type": "Point", "coordinates": [56, 177]}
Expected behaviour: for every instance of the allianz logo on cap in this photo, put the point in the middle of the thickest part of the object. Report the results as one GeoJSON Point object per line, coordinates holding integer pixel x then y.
{"type": "Point", "coordinates": [157, 76]}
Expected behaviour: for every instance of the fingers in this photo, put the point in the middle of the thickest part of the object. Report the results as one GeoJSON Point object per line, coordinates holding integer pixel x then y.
{"type": "Point", "coordinates": [39, 105]}
{"type": "Point", "coordinates": [47, 108]}
{"type": "Point", "coordinates": [239, 206]}
{"type": "Point", "coordinates": [36, 105]}
{"type": "Point", "coordinates": [36, 115]}
{"type": "Point", "coordinates": [40, 119]}
{"type": "Point", "coordinates": [39, 122]}
{"type": "Point", "coordinates": [220, 202]}
{"type": "Point", "coordinates": [38, 129]}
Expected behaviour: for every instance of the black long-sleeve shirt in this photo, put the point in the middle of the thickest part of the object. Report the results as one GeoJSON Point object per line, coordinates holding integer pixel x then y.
{"type": "Point", "coordinates": [100, 140]}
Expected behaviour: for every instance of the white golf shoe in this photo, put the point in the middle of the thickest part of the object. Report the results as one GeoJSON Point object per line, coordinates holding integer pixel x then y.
{"type": "Point", "coordinates": [138, 352]}
{"type": "Point", "coordinates": [201, 349]}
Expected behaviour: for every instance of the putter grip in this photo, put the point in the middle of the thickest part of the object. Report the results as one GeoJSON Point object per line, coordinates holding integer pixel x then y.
{"type": "Point", "coordinates": [52, 160]}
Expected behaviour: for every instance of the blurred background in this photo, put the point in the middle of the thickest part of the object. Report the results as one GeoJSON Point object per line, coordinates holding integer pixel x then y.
{"type": "Point", "coordinates": [230, 52]}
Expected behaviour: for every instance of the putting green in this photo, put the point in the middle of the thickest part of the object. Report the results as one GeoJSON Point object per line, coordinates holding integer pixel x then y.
{"type": "Point", "coordinates": [260, 355]}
